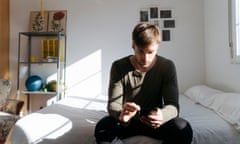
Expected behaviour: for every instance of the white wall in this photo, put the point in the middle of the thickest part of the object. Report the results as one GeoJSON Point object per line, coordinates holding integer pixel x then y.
{"type": "Point", "coordinates": [220, 73]}
{"type": "Point", "coordinates": [99, 31]}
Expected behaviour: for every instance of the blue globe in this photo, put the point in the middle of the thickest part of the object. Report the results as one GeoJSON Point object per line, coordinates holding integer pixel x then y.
{"type": "Point", "coordinates": [34, 83]}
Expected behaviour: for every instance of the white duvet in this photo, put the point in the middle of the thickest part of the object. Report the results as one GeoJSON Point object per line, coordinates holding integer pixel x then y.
{"type": "Point", "coordinates": [64, 124]}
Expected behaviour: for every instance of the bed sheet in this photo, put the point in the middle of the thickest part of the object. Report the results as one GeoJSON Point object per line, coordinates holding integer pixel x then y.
{"type": "Point", "coordinates": [208, 127]}
{"type": "Point", "coordinates": [68, 122]}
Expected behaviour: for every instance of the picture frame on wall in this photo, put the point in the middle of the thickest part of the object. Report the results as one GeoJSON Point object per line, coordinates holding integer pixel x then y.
{"type": "Point", "coordinates": [166, 35]}
{"type": "Point", "coordinates": [37, 23]}
{"type": "Point", "coordinates": [165, 14]}
{"type": "Point", "coordinates": [144, 15]}
{"type": "Point", "coordinates": [154, 12]}
{"type": "Point", "coordinates": [169, 23]}
{"type": "Point", "coordinates": [57, 21]}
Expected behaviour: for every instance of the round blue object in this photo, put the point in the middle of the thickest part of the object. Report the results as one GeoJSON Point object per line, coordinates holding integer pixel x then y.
{"type": "Point", "coordinates": [34, 83]}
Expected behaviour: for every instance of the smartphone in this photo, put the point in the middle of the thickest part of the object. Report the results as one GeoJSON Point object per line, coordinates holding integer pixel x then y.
{"type": "Point", "coordinates": [146, 111]}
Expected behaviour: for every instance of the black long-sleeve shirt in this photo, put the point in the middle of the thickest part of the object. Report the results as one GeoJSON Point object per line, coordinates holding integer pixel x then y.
{"type": "Point", "coordinates": [156, 88]}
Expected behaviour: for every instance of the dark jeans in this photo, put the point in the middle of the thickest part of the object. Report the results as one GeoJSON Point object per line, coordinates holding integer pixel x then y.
{"type": "Point", "coordinates": [174, 131]}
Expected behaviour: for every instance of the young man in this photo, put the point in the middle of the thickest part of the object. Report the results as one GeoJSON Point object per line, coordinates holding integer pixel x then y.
{"type": "Point", "coordinates": [143, 94]}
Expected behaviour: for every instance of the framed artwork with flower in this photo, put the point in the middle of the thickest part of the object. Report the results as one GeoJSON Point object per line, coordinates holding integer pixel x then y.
{"type": "Point", "coordinates": [57, 21]}
{"type": "Point", "coordinates": [37, 22]}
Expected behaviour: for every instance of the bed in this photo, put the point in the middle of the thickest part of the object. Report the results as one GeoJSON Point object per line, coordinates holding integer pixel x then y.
{"type": "Point", "coordinates": [213, 114]}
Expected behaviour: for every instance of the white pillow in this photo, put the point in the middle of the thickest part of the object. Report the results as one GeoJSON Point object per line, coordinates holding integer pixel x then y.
{"type": "Point", "coordinates": [227, 105]}
{"type": "Point", "coordinates": [201, 93]}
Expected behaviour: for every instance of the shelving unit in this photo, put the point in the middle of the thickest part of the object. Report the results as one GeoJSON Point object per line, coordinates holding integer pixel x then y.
{"type": "Point", "coordinates": [29, 46]}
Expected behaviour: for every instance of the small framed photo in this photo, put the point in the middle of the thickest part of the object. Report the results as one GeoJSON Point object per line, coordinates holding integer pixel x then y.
{"type": "Point", "coordinates": [169, 23]}
{"type": "Point", "coordinates": [165, 14]}
{"type": "Point", "coordinates": [37, 23]}
{"type": "Point", "coordinates": [144, 16]}
{"type": "Point", "coordinates": [154, 12]}
{"type": "Point", "coordinates": [57, 21]}
{"type": "Point", "coordinates": [166, 36]}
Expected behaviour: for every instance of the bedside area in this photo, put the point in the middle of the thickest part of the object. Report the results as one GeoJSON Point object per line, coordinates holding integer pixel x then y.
{"type": "Point", "coordinates": [9, 110]}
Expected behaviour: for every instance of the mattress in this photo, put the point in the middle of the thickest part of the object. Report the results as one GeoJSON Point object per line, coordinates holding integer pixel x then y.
{"type": "Point", "coordinates": [72, 121]}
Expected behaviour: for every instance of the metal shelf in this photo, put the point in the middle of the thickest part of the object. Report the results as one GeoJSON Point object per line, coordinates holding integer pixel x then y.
{"type": "Point", "coordinates": [59, 62]}
{"type": "Point", "coordinates": [43, 34]}
{"type": "Point", "coordinates": [38, 92]}
{"type": "Point", "coordinates": [24, 62]}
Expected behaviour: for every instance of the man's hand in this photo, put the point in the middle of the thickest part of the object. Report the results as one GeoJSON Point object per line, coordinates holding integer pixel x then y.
{"type": "Point", "coordinates": [129, 110]}
{"type": "Point", "coordinates": [153, 119]}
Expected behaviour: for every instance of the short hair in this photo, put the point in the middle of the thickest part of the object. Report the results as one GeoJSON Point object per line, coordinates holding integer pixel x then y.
{"type": "Point", "coordinates": [145, 34]}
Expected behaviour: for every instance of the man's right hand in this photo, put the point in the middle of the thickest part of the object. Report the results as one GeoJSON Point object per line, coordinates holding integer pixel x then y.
{"type": "Point", "coordinates": [129, 110]}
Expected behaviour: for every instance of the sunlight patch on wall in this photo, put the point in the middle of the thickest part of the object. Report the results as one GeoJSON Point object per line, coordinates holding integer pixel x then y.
{"type": "Point", "coordinates": [83, 78]}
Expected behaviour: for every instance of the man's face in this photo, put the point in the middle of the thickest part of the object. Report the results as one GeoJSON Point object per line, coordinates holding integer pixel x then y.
{"type": "Point", "coordinates": [146, 55]}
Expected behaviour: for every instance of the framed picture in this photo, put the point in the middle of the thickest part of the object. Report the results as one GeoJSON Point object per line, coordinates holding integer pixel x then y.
{"type": "Point", "coordinates": [154, 12]}
{"type": "Point", "coordinates": [37, 23]}
{"type": "Point", "coordinates": [169, 23]}
{"type": "Point", "coordinates": [57, 21]}
{"type": "Point", "coordinates": [144, 16]}
{"type": "Point", "coordinates": [165, 14]}
{"type": "Point", "coordinates": [166, 36]}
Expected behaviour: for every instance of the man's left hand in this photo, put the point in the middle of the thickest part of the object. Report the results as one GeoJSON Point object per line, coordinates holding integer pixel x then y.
{"type": "Point", "coordinates": [153, 119]}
